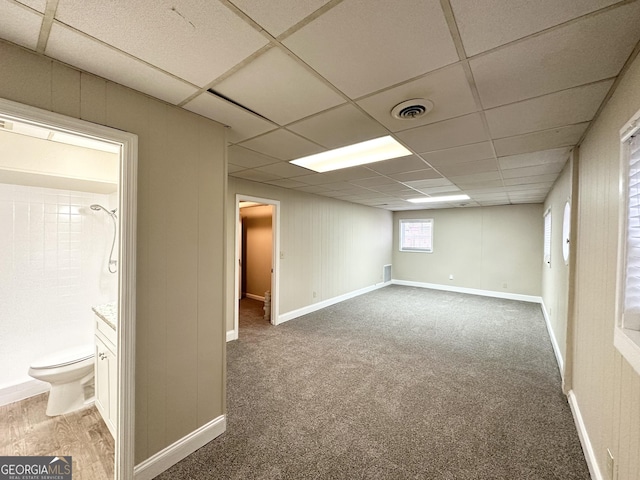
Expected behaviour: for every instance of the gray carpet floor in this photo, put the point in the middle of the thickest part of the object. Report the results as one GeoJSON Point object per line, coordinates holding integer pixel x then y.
{"type": "Point", "coordinates": [400, 383]}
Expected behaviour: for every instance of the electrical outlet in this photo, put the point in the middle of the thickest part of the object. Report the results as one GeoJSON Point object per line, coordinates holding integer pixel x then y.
{"type": "Point", "coordinates": [451, 277]}
{"type": "Point", "coordinates": [610, 465]}
{"type": "Point", "coordinates": [281, 255]}
{"type": "Point", "coordinates": [504, 285]}
{"type": "Point", "coordinates": [315, 294]}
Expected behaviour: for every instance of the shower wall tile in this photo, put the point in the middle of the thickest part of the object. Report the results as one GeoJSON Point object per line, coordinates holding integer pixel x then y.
{"type": "Point", "coordinates": [54, 252]}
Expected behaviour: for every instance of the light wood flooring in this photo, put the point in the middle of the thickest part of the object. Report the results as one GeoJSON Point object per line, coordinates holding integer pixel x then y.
{"type": "Point", "coordinates": [26, 430]}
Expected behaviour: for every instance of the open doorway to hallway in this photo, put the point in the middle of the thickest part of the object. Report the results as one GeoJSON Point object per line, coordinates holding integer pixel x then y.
{"type": "Point", "coordinates": [257, 246]}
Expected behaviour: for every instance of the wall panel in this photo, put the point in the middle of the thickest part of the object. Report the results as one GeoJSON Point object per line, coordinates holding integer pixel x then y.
{"type": "Point", "coordinates": [180, 251]}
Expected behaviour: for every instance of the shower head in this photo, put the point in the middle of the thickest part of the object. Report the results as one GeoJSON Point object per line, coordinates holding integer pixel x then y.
{"type": "Point", "coordinates": [97, 207]}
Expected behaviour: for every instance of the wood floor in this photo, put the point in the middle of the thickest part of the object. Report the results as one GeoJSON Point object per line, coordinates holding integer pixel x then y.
{"type": "Point", "coordinates": [26, 430]}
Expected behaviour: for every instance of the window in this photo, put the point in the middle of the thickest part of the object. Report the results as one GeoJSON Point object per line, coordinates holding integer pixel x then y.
{"type": "Point", "coordinates": [547, 238]}
{"type": "Point", "coordinates": [416, 235]}
{"type": "Point", "coordinates": [627, 331]}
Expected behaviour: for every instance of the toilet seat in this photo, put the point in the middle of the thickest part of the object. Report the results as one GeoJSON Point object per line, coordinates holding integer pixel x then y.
{"type": "Point", "coordinates": [65, 357]}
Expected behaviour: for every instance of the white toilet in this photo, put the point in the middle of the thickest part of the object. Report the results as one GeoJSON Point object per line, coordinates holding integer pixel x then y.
{"type": "Point", "coordinates": [68, 371]}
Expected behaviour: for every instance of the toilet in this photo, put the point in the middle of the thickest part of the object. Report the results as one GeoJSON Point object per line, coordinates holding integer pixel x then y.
{"type": "Point", "coordinates": [68, 371]}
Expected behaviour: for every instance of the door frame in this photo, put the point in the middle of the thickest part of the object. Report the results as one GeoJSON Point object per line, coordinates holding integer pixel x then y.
{"type": "Point", "coordinates": [127, 221]}
{"type": "Point", "coordinates": [275, 259]}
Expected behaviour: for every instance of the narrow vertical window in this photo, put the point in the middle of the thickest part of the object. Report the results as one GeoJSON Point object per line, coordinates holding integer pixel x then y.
{"type": "Point", "coordinates": [631, 315]}
{"type": "Point", "coordinates": [547, 238]}
{"type": "Point", "coordinates": [416, 235]}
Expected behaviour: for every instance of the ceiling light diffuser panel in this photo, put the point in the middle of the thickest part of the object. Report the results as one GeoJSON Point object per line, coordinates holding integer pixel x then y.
{"type": "Point", "coordinates": [371, 151]}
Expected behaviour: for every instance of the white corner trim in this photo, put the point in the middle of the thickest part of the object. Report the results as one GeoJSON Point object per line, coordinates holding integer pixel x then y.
{"type": "Point", "coordinates": [628, 344]}
{"type": "Point", "coordinates": [285, 317]}
{"type": "Point", "coordinates": [184, 447]}
{"type": "Point", "coordinates": [470, 291]}
{"type": "Point", "coordinates": [232, 335]}
{"type": "Point", "coordinates": [554, 341]}
{"type": "Point", "coordinates": [20, 391]}
{"type": "Point", "coordinates": [589, 454]}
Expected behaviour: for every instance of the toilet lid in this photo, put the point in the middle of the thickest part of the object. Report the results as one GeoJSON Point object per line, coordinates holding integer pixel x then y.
{"type": "Point", "coordinates": [64, 357]}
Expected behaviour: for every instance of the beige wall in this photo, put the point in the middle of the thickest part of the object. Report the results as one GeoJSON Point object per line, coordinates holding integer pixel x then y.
{"type": "Point", "coordinates": [483, 248]}
{"type": "Point", "coordinates": [327, 246]}
{"type": "Point", "coordinates": [258, 248]}
{"type": "Point", "coordinates": [181, 174]}
{"type": "Point", "coordinates": [555, 278]}
{"type": "Point", "coordinates": [607, 389]}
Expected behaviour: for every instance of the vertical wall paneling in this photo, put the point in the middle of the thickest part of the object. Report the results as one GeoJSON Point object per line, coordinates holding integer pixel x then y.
{"type": "Point", "coordinates": [490, 248]}
{"type": "Point", "coordinates": [328, 246]}
{"type": "Point", "coordinates": [181, 160]}
{"type": "Point", "coordinates": [604, 384]}
{"type": "Point", "coordinates": [555, 277]}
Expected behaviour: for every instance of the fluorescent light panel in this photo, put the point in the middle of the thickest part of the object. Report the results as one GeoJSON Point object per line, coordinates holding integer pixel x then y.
{"type": "Point", "coordinates": [443, 198]}
{"type": "Point", "coordinates": [376, 150]}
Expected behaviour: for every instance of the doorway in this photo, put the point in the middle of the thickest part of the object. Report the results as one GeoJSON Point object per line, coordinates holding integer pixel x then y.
{"type": "Point", "coordinates": [124, 203]}
{"type": "Point", "coordinates": [257, 255]}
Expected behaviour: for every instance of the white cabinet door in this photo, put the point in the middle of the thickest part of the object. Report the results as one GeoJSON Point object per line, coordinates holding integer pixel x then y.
{"type": "Point", "coordinates": [106, 383]}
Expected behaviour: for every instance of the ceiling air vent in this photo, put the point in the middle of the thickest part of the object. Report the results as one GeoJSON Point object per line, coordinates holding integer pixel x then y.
{"type": "Point", "coordinates": [412, 109]}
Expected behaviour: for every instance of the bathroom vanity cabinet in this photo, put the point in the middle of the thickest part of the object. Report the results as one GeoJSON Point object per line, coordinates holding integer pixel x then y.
{"type": "Point", "coordinates": [106, 372]}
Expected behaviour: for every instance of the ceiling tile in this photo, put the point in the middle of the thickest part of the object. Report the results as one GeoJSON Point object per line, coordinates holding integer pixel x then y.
{"type": "Point", "coordinates": [530, 186]}
{"type": "Point", "coordinates": [286, 183]}
{"type": "Point", "coordinates": [37, 5]}
{"type": "Point", "coordinates": [373, 181]}
{"type": "Point", "coordinates": [533, 179]}
{"type": "Point", "coordinates": [243, 124]}
{"type": "Point", "coordinates": [466, 153]}
{"type": "Point", "coordinates": [486, 25]}
{"type": "Point", "coordinates": [429, 183]}
{"type": "Point", "coordinates": [231, 168]}
{"type": "Point", "coordinates": [365, 45]}
{"type": "Point", "coordinates": [338, 127]}
{"type": "Point", "coordinates": [475, 178]}
{"type": "Point", "coordinates": [19, 24]}
{"type": "Point", "coordinates": [283, 145]}
{"type": "Point", "coordinates": [312, 189]}
{"type": "Point", "coordinates": [433, 190]}
{"type": "Point", "coordinates": [588, 50]}
{"type": "Point", "coordinates": [398, 165]}
{"type": "Point", "coordinates": [276, 16]}
{"type": "Point", "coordinates": [194, 40]}
{"type": "Point", "coordinates": [544, 140]}
{"type": "Point", "coordinates": [531, 171]}
{"type": "Point", "coordinates": [80, 51]}
{"type": "Point", "coordinates": [425, 174]}
{"type": "Point", "coordinates": [448, 133]}
{"type": "Point", "coordinates": [278, 88]}
{"type": "Point", "coordinates": [479, 166]}
{"type": "Point", "coordinates": [447, 88]}
{"type": "Point", "coordinates": [557, 109]}
{"type": "Point", "coordinates": [557, 155]}
{"type": "Point", "coordinates": [247, 158]}
{"type": "Point", "coordinates": [284, 170]}
{"type": "Point", "coordinates": [255, 175]}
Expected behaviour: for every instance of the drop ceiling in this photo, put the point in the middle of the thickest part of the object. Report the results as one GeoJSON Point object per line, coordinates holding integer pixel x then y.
{"type": "Point", "coordinates": [515, 83]}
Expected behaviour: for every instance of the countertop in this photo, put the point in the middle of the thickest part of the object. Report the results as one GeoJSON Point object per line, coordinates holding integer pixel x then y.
{"type": "Point", "coordinates": [107, 312]}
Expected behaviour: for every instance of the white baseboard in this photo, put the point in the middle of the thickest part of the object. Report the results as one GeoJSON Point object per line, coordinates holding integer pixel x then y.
{"type": "Point", "coordinates": [232, 335]}
{"type": "Point", "coordinates": [18, 392]}
{"type": "Point", "coordinates": [254, 297]}
{"type": "Point", "coordinates": [587, 448]}
{"type": "Point", "coordinates": [471, 291]}
{"type": "Point", "coordinates": [285, 317]}
{"type": "Point", "coordinates": [554, 341]}
{"type": "Point", "coordinates": [184, 447]}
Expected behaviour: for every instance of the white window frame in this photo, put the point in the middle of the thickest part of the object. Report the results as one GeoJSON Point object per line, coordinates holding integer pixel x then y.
{"type": "Point", "coordinates": [547, 238]}
{"type": "Point", "coordinates": [627, 340]}
{"type": "Point", "coordinates": [401, 235]}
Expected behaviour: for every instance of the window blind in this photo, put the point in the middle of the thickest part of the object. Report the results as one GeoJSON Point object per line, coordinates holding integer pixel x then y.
{"type": "Point", "coordinates": [547, 238]}
{"type": "Point", "coordinates": [631, 317]}
{"type": "Point", "coordinates": [416, 235]}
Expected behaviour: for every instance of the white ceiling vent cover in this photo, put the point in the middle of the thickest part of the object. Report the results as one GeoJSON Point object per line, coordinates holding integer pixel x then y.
{"type": "Point", "coordinates": [412, 109]}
